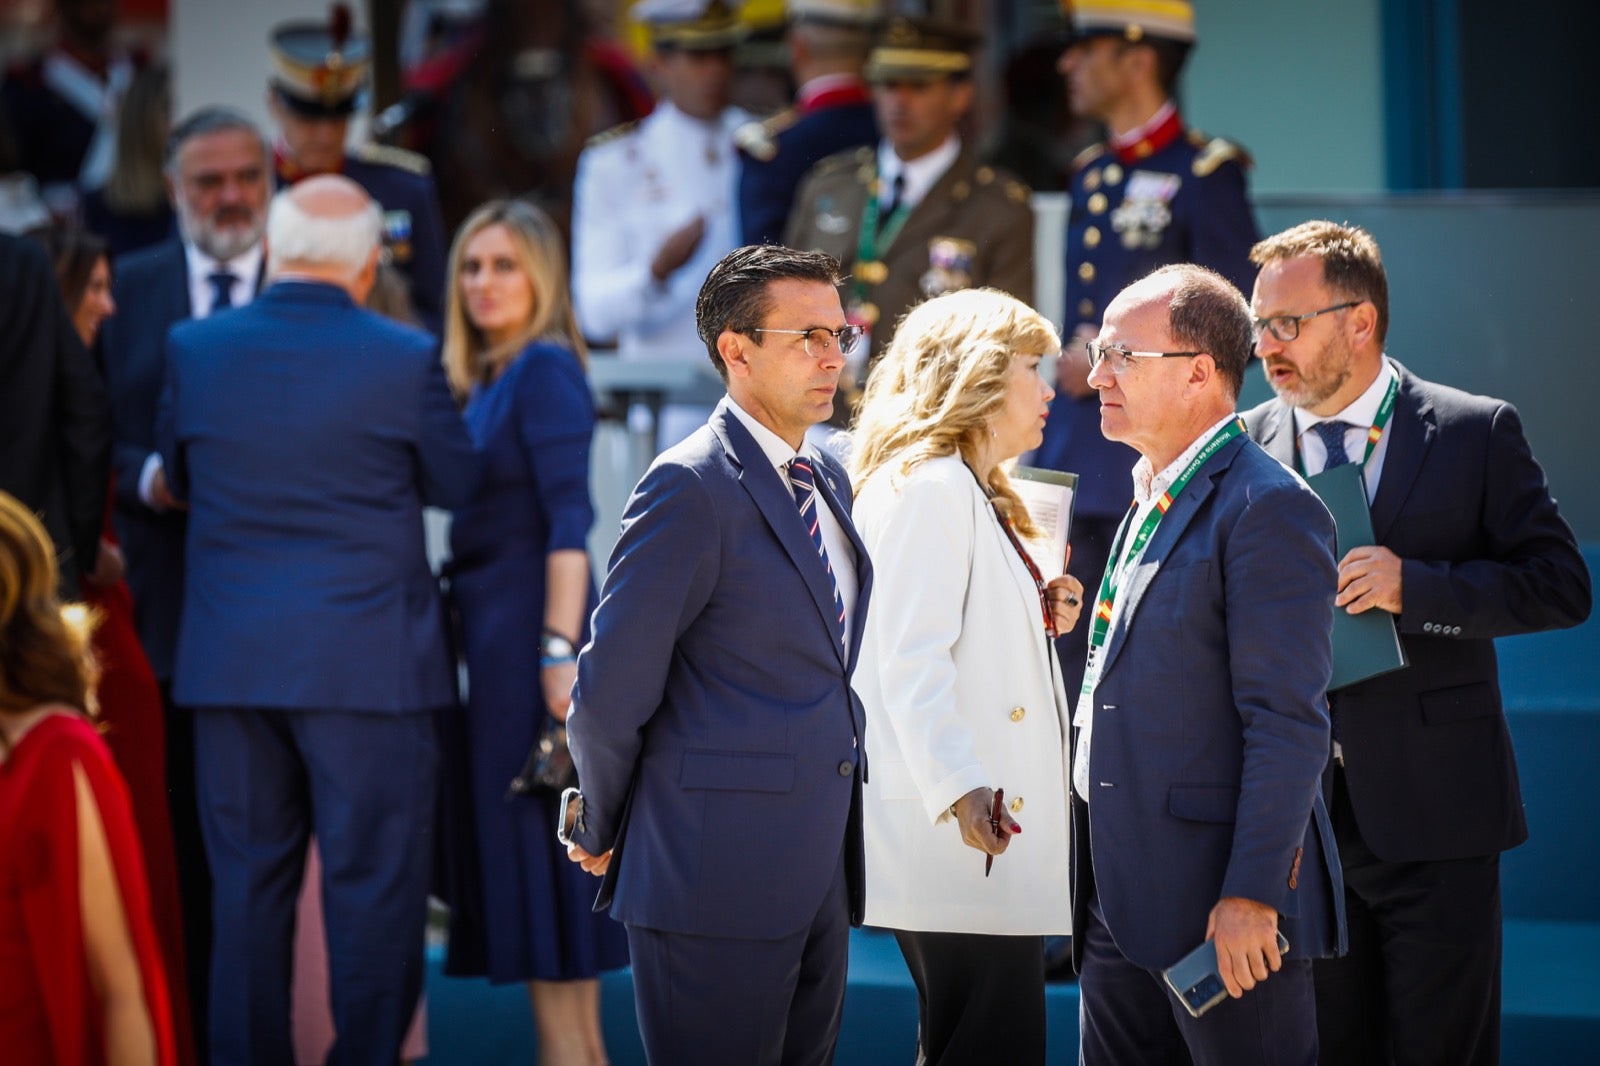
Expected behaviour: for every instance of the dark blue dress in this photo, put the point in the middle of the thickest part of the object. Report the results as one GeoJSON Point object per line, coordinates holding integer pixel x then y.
{"type": "Point", "coordinates": [533, 425]}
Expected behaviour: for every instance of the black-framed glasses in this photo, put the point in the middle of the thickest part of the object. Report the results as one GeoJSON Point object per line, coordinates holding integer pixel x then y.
{"type": "Point", "coordinates": [845, 337]}
{"type": "Point", "coordinates": [1287, 327]}
{"type": "Point", "coordinates": [1119, 356]}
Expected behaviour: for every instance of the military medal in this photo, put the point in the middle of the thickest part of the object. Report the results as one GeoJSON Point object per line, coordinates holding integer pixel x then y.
{"type": "Point", "coordinates": [949, 265]}
{"type": "Point", "coordinates": [872, 273]}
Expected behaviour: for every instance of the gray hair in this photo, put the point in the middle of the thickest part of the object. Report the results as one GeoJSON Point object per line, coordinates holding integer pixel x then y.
{"type": "Point", "coordinates": [296, 237]}
{"type": "Point", "coordinates": [205, 121]}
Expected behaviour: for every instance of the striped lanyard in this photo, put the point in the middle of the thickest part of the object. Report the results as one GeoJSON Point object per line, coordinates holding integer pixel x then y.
{"type": "Point", "coordinates": [1374, 433]}
{"type": "Point", "coordinates": [1118, 564]}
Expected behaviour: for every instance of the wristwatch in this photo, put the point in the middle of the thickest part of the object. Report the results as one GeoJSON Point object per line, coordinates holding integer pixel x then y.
{"type": "Point", "coordinates": [554, 648]}
{"type": "Point", "coordinates": [561, 816]}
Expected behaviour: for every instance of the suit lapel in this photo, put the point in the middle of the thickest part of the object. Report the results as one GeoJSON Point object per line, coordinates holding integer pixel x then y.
{"type": "Point", "coordinates": [1278, 435]}
{"type": "Point", "coordinates": [932, 211]}
{"type": "Point", "coordinates": [775, 501]}
{"type": "Point", "coordinates": [175, 294]}
{"type": "Point", "coordinates": [1178, 517]}
{"type": "Point", "coordinates": [1412, 430]}
{"type": "Point", "coordinates": [828, 485]}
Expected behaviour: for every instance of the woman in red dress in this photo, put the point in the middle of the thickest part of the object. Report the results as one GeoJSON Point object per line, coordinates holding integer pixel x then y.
{"type": "Point", "coordinates": [81, 977]}
{"type": "Point", "coordinates": [129, 700]}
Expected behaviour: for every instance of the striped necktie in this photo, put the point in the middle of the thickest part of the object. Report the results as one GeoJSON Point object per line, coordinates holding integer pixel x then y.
{"type": "Point", "coordinates": [803, 481]}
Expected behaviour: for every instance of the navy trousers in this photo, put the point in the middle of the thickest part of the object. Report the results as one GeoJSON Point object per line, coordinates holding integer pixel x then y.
{"type": "Point", "coordinates": [716, 1001]}
{"type": "Point", "coordinates": [365, 784]}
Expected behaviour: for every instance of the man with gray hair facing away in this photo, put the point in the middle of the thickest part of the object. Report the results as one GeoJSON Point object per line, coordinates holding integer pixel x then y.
{"type": "Point", "coordinates": [306, 435]}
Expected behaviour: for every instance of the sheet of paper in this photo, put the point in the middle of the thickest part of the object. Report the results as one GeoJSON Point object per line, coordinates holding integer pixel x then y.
{"type": "Point", "coordinates": [1048, 495]}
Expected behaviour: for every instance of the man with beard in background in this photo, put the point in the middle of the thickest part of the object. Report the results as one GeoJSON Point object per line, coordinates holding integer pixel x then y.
{"type": "Point", "coordinates": [218, 175]}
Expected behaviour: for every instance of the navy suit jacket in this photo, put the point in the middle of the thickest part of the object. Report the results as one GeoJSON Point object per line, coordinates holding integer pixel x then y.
{"type": "Point", "coordinates": [152, 291]}
{"type": "Point", "coordinates": [717, 739]}
{"type": "Point", "coordinates": [1462, 501]}
{"type": "Point", "coordinates": [307, 434]}
{"type": "Point", "coordinates": [1211, 737]}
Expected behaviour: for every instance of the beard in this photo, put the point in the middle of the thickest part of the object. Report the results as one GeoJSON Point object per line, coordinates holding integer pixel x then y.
{"type": "Point", "coordinates": [226, 234]}
{"type": "Point", "coordinates": [1318, 379]}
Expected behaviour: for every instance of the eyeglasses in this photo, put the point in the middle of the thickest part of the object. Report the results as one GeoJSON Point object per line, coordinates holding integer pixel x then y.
{"type": "Point", "coordinates": [1287, 327]}
{"type": "Point", "coordinates": [1099, 353]}
{"type": "Point", "coordinates": [845, 337]}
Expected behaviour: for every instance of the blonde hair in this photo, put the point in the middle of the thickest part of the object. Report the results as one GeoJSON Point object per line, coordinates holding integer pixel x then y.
{"type": "Point", "coordinates": [137, 182]}
{"type": "Point", "coordinates": [44, 645]}
{"type": "Point", "coordinates": [941, 382]}
{"type": "Point", "coordinates": [468, 358]}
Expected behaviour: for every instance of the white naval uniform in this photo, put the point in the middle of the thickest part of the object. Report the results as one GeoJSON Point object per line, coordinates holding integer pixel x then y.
{"type": "Point", "coordinates": [634, 189]}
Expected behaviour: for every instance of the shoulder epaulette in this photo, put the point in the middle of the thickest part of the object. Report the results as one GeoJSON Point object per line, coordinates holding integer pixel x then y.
{"type": "Point", "coordinates": [1214, 152]}
{"type": "Point", "coordinates": [849, 159]}
{"type": "Point", "coordinates": [390, 156]}
{"type": "Point", "coordinates": [758, 139]}
{"type": "Point", "coordinates": [613, 133]}
{"type": "Point", "coordinates": [1087, 156]}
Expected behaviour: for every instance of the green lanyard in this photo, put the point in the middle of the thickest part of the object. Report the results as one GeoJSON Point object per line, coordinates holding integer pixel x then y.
{"type": "Point", "coordinates": [1374, 434]}
{"type": "Point", "coordinates": [1114, 569]}
{"type": "Point", "coordinates": [867, 240]}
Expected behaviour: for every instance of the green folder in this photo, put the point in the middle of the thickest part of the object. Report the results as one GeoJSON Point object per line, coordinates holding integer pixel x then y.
{"type": "Point", "coordinates": [1366, 644]}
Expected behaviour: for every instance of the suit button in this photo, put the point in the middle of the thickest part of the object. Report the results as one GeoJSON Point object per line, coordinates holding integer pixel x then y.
{"type": "Point", "coordinates": [1427, 627]}
{"type": "Point", "coordinates": [846, 768]}
{"type": "Point", "coordinates": [1016, 805]}
{"type": "Point", "coordinates": [1086, 272]}
{"type": "Point", "coordinates": [1455, 631]}
{"type": "Point", "coordinates": [1091, 237]}
{"type": "Point", "coordinates": [1018, 713]}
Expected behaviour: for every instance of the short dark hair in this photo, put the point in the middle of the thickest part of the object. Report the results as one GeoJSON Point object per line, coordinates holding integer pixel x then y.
{"type": "Point", "coordinates": [735, 294]}
{"type": "Point", "coordinates": [1352, 266]}
{"type": "Point", "coordinates": [1208, 314]}
{"type": "Point", "coordinates": [209, 120]}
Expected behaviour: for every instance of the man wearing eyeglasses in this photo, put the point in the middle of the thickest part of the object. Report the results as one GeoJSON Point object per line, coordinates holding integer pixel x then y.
{"type": "Point", "coordinates": [1201, 732]}
{"type": "Point", "coordinates": [1470, 547]}
{"type": "Point", "coordinates": [716, 736]}
{"type": "Point", "coordinates": [1155, 192]}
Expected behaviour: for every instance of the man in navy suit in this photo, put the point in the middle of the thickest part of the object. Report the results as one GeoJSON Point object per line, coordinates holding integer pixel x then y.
{"type": "Point", "coordinates": [306, 435]}
{"type": "Point", "coordinates": [828, 42]}
{"type": "Point", "coordinates": [217, 178]}
{"type": "Point", "coordinates": [1470, 547]}
{"type": "Point", "coordinates": [717, 739]}
{"type": "Point", "coordinates": [1201, 733]}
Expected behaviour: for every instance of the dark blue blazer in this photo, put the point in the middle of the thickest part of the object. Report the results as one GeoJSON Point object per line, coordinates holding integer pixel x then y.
{"type": "Point", "coordinates": [717, 739]}
{"type": "Point", "coordinates": [767, 187]}
{"type": "Point", "coordinates": [1485, 553]}
{"type": "Point", "coordinates": [152, 292]}
{"type": "Point", "coordinates": [307, 434]}
{"type": "Point", "coordinates": [1211, 734]}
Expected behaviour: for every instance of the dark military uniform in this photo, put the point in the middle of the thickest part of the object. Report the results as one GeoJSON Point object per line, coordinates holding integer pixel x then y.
{"type": "Point", "coordinates": [1176, 196]}
{"type": "Point", "coordinates": [973, 228]}
{"type": "Point", "coordinates": [776, 153]}
{"type": "Point", "coordinates": [413, 230]}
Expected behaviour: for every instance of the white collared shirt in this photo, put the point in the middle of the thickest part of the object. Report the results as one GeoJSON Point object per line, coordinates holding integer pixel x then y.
{"type": "Point", "coordinates": [1148, 487]}
{"type": "Point", "coordinates": [1360, 414]}
{"type": "Point", "coordinates": [841, 555]}
{"type": "Point", "coordinates": [921, 174]}
{"type": "Point", "coordinates": [246, 267]}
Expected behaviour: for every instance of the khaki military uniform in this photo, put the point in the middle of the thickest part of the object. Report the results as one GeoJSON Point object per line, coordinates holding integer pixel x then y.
{"type": "Point", "coordinates": [973, 228]}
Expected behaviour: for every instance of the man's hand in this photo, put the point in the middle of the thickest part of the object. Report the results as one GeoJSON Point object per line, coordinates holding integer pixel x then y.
{"type": "Point", "coordinates": [677, 248]}
{"type": "Point", "coordinates": [556, 684]}
{"type": "Point", "coordinates": [592, 864]}
{"type": "Point", "coordinates": [161, 495]}
{"type": "Point", "coordinates": [109, 567]}
{"type": "Point", "coordinates": [1245, 934]}
{"type": "Point", "coordinates": [1072, 367]}
{"type": "Point", "coordinates": [972, 813]}
{"type": "Point", "coordinates": [1369, 577]}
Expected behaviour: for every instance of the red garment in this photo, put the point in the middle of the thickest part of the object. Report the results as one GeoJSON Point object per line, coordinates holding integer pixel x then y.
{"type": "Point", "coordinates": [48, 1010]}
{"type": "Point", "coordinates": [132, 715]}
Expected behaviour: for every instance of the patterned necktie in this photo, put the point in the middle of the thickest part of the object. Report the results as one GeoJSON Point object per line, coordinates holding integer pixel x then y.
{"type": "Point", "coordinates": [803, 481]}
{"type": "Point", "coordinates": [222, 283]}
{"type": "Point", "coordinates": [1332, 434]}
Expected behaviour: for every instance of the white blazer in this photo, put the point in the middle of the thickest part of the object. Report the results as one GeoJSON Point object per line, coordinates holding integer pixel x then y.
{"type": "Point", "coordinates": [962, 690]}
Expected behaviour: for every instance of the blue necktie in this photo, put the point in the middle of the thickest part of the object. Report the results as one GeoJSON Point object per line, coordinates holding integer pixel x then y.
{"type": "Point", "coordinates": [1332, 434]}
{"type": "Point", "coordinates": [803, 481]}
{"type": "Point", "coordinates": [222, 283]}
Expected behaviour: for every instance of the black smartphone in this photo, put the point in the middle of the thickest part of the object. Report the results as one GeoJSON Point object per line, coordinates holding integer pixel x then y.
{"type": "Point", "coordinates": [1194, 979]}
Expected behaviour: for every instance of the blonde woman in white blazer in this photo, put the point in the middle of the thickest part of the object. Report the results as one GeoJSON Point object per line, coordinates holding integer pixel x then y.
{"type": "Point", "coordinates": [959, 677]}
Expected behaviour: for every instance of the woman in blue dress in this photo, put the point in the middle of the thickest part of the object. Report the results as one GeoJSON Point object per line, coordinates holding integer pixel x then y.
{"type": "Point", "coordinates": [522, 585]}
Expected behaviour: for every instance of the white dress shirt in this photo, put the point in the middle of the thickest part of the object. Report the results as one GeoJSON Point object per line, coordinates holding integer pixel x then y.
{"type": "Point", "coordinates": [1148, 487]}
{"type": "Point", "coordinates": [1360, 415]}
{"type": "Point", "coordinates": [841, 555]}
{"type": "Point", "coordinates": [921, 174]}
